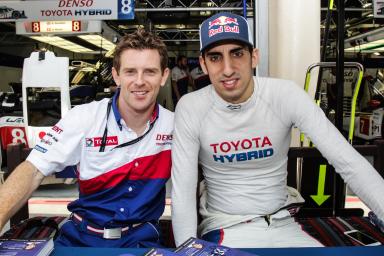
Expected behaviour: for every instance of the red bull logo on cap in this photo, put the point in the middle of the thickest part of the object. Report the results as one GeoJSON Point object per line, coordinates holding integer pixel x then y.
{"type": "Point", "coordinates": [222, 20]}
{"type": "Point", "coordinates": [223, 24]}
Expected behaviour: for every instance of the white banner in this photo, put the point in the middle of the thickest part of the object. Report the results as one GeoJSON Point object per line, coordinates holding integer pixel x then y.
{"type": "Point", "coordinates": [378, 8]}
{"type": "Point", "coordinates": [67, 10]}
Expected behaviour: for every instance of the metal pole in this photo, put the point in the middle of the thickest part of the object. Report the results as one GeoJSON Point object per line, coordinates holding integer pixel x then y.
{"type": "Point", "coordinates": [340, 65]}
{"type": "Point", "coordinates": [326, 30]}
{"type": "Point", "coordinates": [324, 49]}
{"type": "Point", "coordinates": [245, 8]}
{"type": "Point", "coordinates": [255, 30]}
{"type": "Point", "coordinates": [339, 189]}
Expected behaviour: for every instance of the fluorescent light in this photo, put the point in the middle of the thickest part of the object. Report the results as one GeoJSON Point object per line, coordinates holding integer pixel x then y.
{"type": "Point", "coordinates": [62, 43]}
{"type": "Point", "coordinates": [99, 41]}
{"type": "Point", "coordinates": [110, 53]}
{"type": "Point", "coordinates": [371, 46]}
{"type": "Point", "coordinates": [381, 49]}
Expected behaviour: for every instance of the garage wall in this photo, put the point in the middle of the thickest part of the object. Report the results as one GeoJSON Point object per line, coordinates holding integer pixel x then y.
{"type": "Point", "coordinates": [294, 42]}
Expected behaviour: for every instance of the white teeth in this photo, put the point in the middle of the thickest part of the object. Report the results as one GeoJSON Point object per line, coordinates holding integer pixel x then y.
{"type": "Point", "coordinates": [139, 93]}
{"type": "Point", "coordinates": [229, 82]}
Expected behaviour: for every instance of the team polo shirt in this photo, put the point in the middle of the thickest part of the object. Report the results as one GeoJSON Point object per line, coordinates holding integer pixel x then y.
{"type": "Point", "coordinates": [118, 186]}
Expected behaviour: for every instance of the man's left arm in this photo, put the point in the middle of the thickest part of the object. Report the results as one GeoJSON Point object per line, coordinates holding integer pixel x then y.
{"type": "Point", "coordinates": [356, 171]}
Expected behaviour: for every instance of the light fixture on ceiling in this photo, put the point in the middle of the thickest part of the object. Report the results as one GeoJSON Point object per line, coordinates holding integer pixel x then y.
{"type": "Point", "coordinates": [99, 41]}
{"type": "Point", "coordinates": [62, 43]}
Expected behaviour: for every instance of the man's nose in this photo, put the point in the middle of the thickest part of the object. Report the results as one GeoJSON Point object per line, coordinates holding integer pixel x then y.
{"type": "Point", "coordinates": [140, 78]}
{"type": "Point", "coordinates": [228, 69]}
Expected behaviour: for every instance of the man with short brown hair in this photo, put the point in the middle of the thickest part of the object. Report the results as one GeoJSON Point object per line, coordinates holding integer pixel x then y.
{"type": "Point", "coordinates": [121, 147]}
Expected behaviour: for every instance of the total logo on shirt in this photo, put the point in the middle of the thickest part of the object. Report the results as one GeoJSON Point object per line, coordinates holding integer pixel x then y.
{"type": "Point", "coordinates": [96, 141]}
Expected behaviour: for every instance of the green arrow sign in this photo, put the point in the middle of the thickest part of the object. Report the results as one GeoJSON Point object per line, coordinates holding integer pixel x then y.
{"type": "Point", "coordinates": [320, 198]}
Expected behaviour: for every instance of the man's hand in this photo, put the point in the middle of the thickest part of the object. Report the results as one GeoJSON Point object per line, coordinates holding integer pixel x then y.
{"type": "Point", "coordinates": [376, 221]}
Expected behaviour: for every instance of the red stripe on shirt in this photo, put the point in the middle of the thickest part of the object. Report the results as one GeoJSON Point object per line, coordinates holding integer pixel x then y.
{"type": "Point", "coordinates": [221, 236]}
{"type": "Point", "coordinates": [149, 167]}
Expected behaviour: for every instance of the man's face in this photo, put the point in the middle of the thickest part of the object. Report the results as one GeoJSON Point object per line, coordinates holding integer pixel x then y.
{"type": "Point", "coordinates": [140, 78]}
{"type": "Point", "coordinates": [184, 62]}
{"type": "Point", "coordinates": [229, 67]}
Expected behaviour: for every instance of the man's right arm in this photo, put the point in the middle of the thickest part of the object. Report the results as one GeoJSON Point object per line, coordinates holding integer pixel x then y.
{"type": "Point", "coordinates": [17, 189]}
{"type": "Point", "coordinates": [185, 150]}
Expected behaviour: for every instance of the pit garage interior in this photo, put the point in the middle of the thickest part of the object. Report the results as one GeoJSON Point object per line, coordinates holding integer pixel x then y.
{"type": "Point", "coordinates": [177, 22]}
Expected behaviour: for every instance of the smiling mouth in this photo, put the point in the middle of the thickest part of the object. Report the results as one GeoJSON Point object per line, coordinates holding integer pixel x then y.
{"type": "Point", "coordinates": [229, 84]}
{"type": "Point", "coordinates": [139, 93]}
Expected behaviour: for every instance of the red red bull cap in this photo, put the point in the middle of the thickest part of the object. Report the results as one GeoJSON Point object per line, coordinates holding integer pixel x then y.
{"type": "Point", "coordinates": [224, 26]}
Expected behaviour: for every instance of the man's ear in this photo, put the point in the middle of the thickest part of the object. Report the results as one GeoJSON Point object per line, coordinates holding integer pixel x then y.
{"type": "Point", "coordinates": [116, 77]}
{"type": "Point", "coordinates": [255, 57]}
{"type": "Point", "coordinates": [164, 76]}
{"type": "Point", "coordinates": [202, 65]}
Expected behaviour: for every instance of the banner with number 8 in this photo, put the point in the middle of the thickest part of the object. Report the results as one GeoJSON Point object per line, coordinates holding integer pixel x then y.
{"type": "Point", "coordinates": [126, 9]}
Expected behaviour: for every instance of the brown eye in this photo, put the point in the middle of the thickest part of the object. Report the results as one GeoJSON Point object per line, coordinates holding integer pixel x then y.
{"type": "Point", "coordinates": [214, 58]}
{"type": "Point", "coordinates": [238, 53]}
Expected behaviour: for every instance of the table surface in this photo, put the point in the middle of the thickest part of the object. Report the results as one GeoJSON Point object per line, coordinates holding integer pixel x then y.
{"type": "Point", "coordinates": [328, 251]}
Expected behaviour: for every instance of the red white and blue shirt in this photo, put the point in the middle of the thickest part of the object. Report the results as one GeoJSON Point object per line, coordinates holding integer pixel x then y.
{"type": "Point", "coordinates": [118, 186]}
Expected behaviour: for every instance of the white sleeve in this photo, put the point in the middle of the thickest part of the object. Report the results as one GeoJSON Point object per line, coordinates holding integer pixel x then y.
{"type": "Point", "coordinates": [185, 150]}
{"type": "Point", "coordinates": [61, 145]}
{"type": "Point", "coordinates": [356, 171]}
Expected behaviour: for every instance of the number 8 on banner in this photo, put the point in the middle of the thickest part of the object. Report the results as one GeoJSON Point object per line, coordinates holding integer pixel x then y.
{"type": "Point", "coordinates": [126, 10]}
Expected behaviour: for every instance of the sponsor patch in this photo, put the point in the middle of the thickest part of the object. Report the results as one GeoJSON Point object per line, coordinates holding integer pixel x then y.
{"type": "Point", "coordinates": [163, 139]}
{"type": "Point", "coordinates": [44, 140]}
{"type": "Point", "coordinates": [41, 149]}
{"type": "Point", "coordinates": [41, 135]}
{"type": "Point", "coordinates": [242, 150]}
{"type": "Point", "coordinates": [53, 137]}
{"type": "Point", "coordinates": [88, 142]}
{"type": "Point", "coordinates": [96, 142]}
{"type": "Point", "coordinates": [47, 142]}
{"type": "Point", "coordinates": [57, 129]}
{"type": "Point", "coordinates": [19, 120]}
